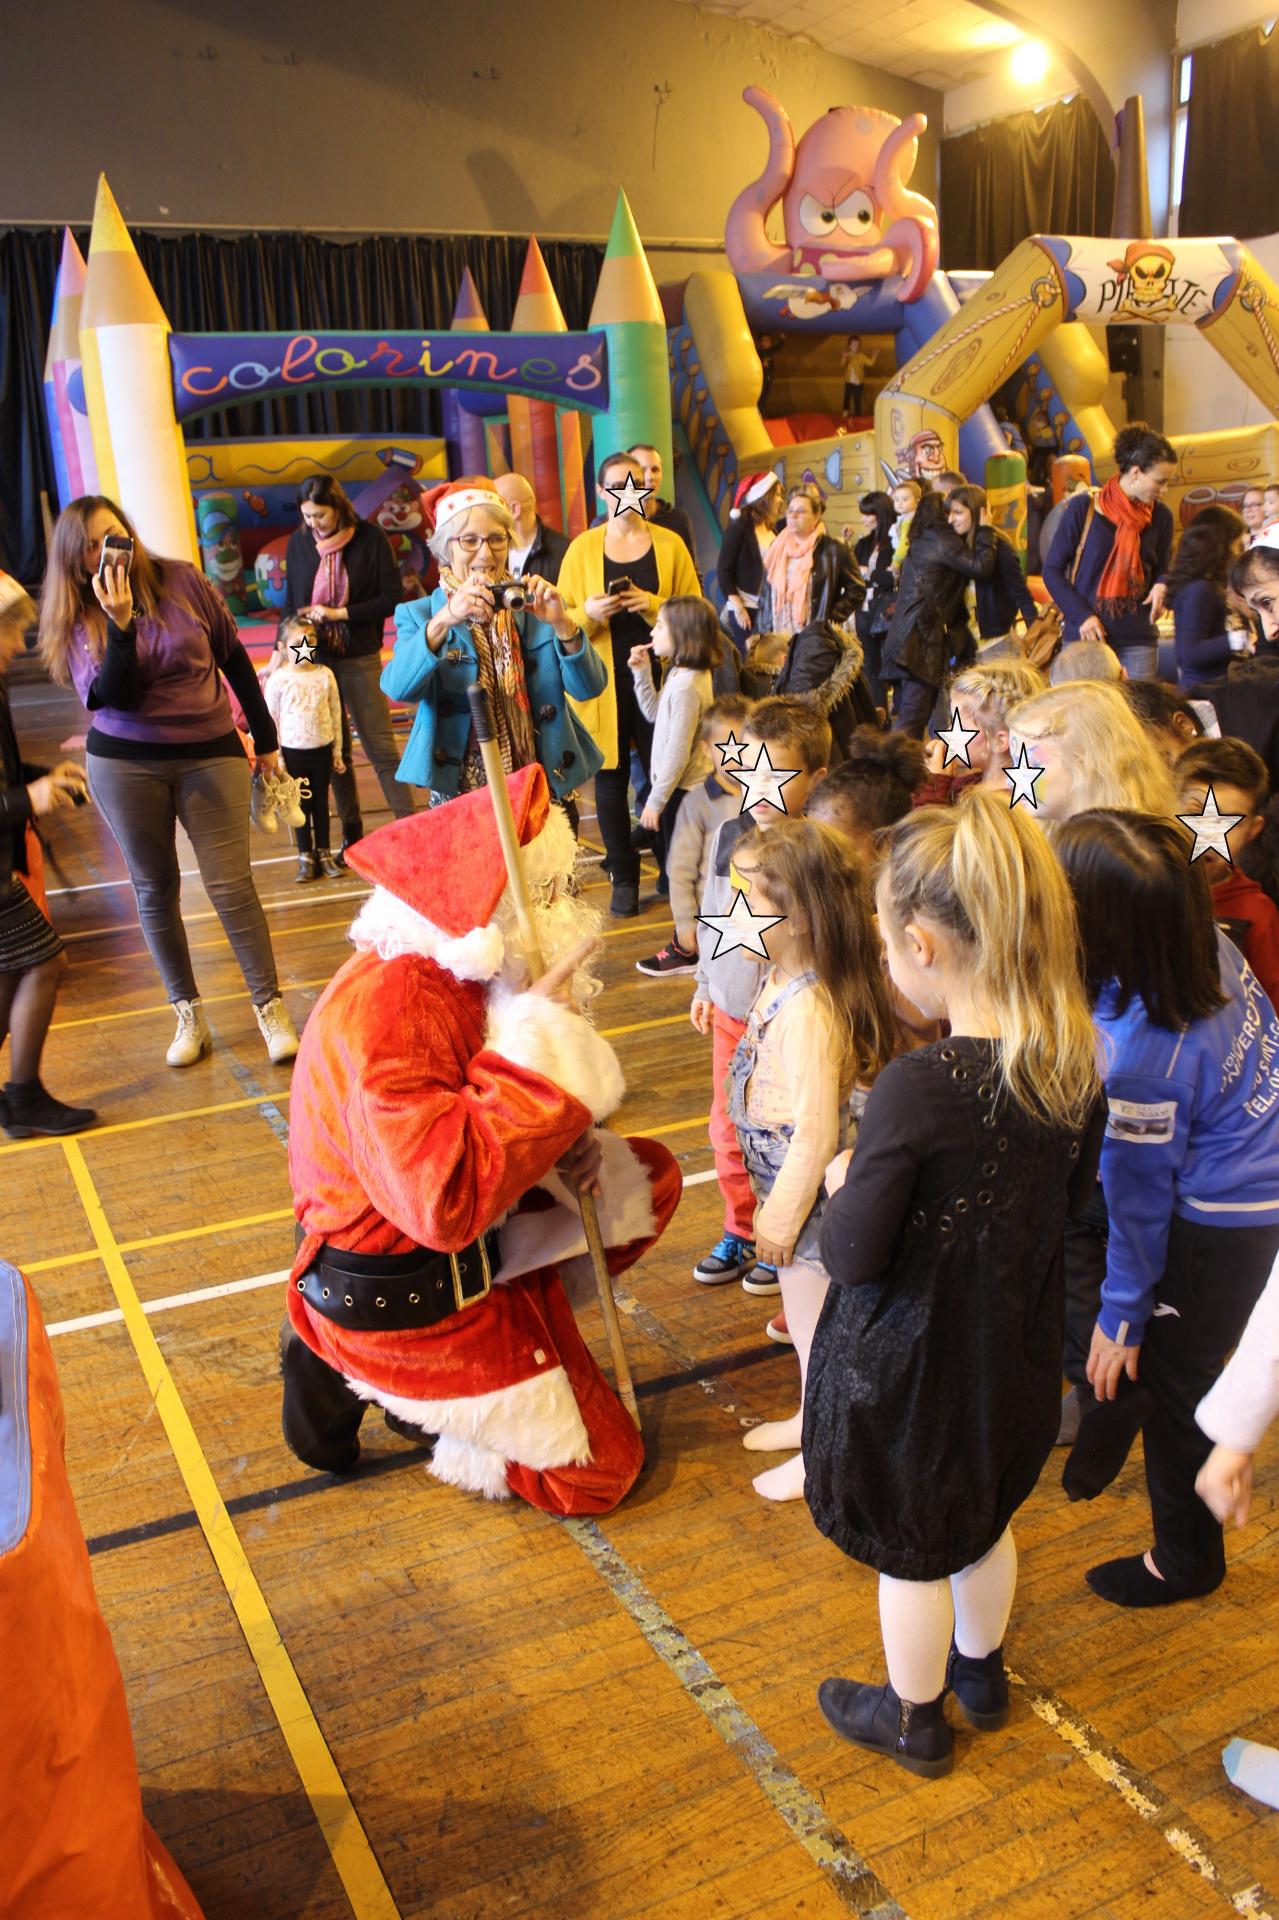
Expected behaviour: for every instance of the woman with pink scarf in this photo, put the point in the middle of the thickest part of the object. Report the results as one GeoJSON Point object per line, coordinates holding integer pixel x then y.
{"type": "Point", "coordinates": [809, 576]}
{"type": "Point", "coordinates": [340, 571]}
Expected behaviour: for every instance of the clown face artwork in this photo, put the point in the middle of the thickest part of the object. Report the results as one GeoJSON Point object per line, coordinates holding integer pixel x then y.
{"type": "Point", "coordinates": [401, 519]}
{"type": "Point", "coordinates": [269, 571]}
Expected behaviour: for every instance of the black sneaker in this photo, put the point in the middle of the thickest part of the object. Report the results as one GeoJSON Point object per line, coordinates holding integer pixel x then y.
{"type": "Point", "coordinates": [671, 959]}
{"type": "Point", "coordinates": [759, 1278]}
{"type": "Point", "coordinates": [729, 1257]}
{"type": "Point", "coordinates": [624, 904]}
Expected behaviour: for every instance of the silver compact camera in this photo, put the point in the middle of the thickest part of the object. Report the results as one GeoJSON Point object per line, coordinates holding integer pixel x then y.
{"type": "Point", "coordinates": [513, 595]}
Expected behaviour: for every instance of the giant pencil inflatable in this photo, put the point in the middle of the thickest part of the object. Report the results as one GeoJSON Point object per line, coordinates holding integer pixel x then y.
{"type": "Point", "coordinates": [143, 381]}
{"type": "Point", "coordinates": [70, 437]}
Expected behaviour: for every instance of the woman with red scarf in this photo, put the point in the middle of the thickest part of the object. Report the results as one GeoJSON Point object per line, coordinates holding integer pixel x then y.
{"type": "Point", "coordinates": [340, 571]}
{"type": "Point", "coordinates": [1109, 557]}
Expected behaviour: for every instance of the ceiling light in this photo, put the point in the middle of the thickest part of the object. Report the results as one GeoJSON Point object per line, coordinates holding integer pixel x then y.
{"type": "Point", "coordinates": [1029, 63]}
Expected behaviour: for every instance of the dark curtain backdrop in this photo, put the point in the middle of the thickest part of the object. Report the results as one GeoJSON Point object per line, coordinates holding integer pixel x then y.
{"type": "Point", "coordinates": [1232, 138]}
{"type": "Point", "coordinates": [210, 283]}
{"type": "Point", "coordinates": [1048, 172]}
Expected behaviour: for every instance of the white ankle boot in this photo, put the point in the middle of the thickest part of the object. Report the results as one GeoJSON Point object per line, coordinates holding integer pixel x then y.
{"type": "Point", "coordinates": [192, 1039]}
{"type": "Point", "coordinates": [277, 1030]}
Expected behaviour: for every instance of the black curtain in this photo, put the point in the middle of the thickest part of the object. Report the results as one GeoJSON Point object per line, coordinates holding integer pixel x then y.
{"type": "Point", "coordinates": [1047, 172]}
{"type": "Point", "coordinates": [275, 282]}
{"type": "Point", "coordinates": [1232, 138]}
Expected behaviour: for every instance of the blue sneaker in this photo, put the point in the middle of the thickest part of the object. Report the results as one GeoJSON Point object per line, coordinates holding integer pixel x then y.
{"type": "Point", "coordinates": [727, 1259]}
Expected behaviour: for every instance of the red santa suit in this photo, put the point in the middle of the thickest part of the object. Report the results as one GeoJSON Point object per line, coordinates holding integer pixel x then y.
{"type": "Point", "coordinates": [431, 1102]}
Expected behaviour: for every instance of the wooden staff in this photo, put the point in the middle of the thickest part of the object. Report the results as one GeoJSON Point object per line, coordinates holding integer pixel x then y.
{"type": "Point", "coordinates": [495, 775]}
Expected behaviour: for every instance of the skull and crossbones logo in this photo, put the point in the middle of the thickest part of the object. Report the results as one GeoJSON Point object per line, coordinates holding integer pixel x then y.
{"type": "Point", "coordinates": [1147, 270]}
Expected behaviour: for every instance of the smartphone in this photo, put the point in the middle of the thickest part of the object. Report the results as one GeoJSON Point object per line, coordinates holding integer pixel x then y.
{"type": "Point", "coordinates": [115, 547]}
{"type": "Point", "coordinates": [623, 585]}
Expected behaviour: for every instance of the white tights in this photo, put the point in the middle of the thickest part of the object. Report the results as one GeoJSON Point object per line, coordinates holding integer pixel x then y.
{"type": "Point", "coordinates": [803, 1293]}
{"type": "Point", "coordinates": [917, 1618]}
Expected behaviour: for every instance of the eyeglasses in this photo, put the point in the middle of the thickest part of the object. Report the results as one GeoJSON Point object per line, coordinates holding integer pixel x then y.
{"type": "Point", "coordinates": [472, 542]}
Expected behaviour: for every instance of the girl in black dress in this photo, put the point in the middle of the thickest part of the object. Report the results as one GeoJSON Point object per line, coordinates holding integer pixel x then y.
{"type": "Point", "coordinates": [934, 1387]}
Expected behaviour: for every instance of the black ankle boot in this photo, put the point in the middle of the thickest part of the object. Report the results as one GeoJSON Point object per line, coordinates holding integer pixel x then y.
{"type": "Point", "coordinates": [26, 1110]}
{"type": "Point", "coordinates": [308, 869]}
{"type": "Point", "coordinates": [917, 1737]}
{"type": "Point", "coordinates": [980, 1686]}
{"type": "Point", "coordinates": [329, 868]}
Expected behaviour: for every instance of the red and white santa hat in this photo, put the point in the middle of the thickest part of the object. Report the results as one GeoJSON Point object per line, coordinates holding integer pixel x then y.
{"type": "Point", "coordinates": [461, 495]}
{"type": "Point", "coordinates": [750, 488]}
{"type": "Point", "coordinates": [440, 876]}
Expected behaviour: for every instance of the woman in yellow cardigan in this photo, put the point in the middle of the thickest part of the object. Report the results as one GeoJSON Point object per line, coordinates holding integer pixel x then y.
{"type": "Point", "coordinates": [613, 581]}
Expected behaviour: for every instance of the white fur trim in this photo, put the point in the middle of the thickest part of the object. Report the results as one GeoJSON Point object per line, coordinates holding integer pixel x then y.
{"type": "Point", "coordinates": [553, 855]}
{"type": "Point", "coordinates": [449, 505]}
{"type": "Point", "coordinates": [552, 1040]}
{"type": "Point", "coordinates": [554, 1234]}
{"type": "Point", "coordinates": [536, 1423]}
{"type": "Point", "coordinates": [474, 1469]}
{"type": "Point", "coordinates": [386, 926]}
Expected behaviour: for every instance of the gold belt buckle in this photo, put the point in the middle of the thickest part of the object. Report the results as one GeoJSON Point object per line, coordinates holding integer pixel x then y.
{"type": "Point", "coordinates": [455, 1267]}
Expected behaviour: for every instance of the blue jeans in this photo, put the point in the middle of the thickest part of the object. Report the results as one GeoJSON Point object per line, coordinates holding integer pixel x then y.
{"type": "Point", "coordinates": [1138, 658]}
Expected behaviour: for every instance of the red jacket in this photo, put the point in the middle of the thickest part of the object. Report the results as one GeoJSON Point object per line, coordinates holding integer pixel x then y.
{"type": "Point", "coordinates": [1251, 919]}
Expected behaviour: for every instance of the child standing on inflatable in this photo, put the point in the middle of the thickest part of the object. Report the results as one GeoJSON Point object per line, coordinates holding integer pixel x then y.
{"type": "Point", "coordinates": [302, 698]}
{"type": "Point", "coordinates": [935, 1379]}
{"type": "Point", "coordinates": [819, 1032]}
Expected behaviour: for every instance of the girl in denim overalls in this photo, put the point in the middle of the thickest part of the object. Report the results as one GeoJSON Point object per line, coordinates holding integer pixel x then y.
{"type": "Point", "coordinates": [820, 1030]}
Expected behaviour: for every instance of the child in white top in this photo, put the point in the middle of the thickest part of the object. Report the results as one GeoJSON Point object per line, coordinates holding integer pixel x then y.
{"type": "Point", "coordinates": [302, 698]}
{"type": "Point", "coordinates": [821, 1028]}
{"type": "Point", "coordinates": [687, 634]}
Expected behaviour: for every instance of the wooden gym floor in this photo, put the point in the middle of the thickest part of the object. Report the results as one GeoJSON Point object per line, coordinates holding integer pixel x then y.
{"type": "Point", "coordinates": [379, 1696]}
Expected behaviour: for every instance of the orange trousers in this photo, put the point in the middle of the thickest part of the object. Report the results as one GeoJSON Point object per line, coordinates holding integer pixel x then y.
{"type": "Point", "coordinates": [73, 1842]}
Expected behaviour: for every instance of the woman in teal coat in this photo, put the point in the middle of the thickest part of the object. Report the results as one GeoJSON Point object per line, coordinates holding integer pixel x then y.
{"type": "Point", "coordinates": [528, 658]}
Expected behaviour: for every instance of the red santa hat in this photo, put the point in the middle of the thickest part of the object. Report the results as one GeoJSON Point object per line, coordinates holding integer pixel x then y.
{"type": "Point", "coordinates": [440, 875]}
{"type": "Point", "coordinates": [750, 488]}
{"type": "Point", "coordinates": [461, 495]}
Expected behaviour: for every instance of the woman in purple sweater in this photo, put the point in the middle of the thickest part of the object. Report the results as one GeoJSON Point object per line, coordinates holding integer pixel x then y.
{"type": "Point", "coordinates": [145, 644]}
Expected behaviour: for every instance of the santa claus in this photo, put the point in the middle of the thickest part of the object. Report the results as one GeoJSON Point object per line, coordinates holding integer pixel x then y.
{"type": "Point", "coordinates": [445, 1108]}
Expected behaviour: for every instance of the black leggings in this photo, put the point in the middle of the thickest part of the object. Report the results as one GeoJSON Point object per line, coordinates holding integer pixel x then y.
{"type": "Point", "coordinates": [612, 784]}
{"type": "Point", "coordinates": [315, 766]}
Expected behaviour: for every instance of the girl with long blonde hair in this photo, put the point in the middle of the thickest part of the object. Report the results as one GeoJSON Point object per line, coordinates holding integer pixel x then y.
{"type": "Point", "coordinates": [821, 1029]}
{"type": "Point", "coordinates": [934, 1387]}
{"type": "Point", "coordinates": [1094, 752]}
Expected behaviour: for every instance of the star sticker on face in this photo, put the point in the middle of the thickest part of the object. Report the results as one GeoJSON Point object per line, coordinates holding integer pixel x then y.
{"type": "Point", "coordinates": [731, 751]}
{"type": "Point", "coordinates": [1211, 829]}
{"type": "Point", "coordinates": [762, 784]}
{"type": "Point", "coordinates": [956, 737]}
{"type": "Point", "coordinates": [303, 649]}
{"type": "Point", "coordinates": [629, 497]}
{"type": "Point", "coordinates": [1021, 778]}
{"type": "Point", "coordinates": [739, 927]}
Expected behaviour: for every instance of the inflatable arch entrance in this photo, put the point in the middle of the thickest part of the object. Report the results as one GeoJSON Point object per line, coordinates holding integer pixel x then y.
{"type": "Point", "coordinates": [1048, 282]}
{"type": "Point", "coordinates": [142, 381]}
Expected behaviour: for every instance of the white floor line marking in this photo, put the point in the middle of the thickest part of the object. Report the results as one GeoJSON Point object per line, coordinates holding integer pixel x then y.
{"type": "Point", "coordinates": [187, 873]}
{"type": "Point", "coordinates": [112, 1315]}
{"type": "Point", "coordinates": [282, 903]}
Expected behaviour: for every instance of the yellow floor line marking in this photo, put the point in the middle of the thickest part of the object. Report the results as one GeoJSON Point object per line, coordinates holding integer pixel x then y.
{"type": "Point", "coordinates": [150, 1240]}
{"type": "Point", "coordinates": [207, 999]}
{"type": "Point", "coordinates": [353, 1856]}
{"type": "Point", "coordinates": [159, 1119]}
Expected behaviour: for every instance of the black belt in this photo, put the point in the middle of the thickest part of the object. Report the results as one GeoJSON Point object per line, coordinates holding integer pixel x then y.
{"type": "Point", "coordinates": [379, 1292]}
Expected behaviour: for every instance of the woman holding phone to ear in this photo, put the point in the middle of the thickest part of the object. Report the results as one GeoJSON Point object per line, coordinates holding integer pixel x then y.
{"type": "Point", "coordinates": [614, 581]}
{"type": "Point", "coordinates": [145, 642]}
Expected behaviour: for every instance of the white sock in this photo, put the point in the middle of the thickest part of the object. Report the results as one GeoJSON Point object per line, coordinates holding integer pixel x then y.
{"type": "Point", "coordinates": [1253, 1768]}
{"type": "Point", "coordinates": [916, 1618]}
{"type": "Point", "coordinates": [983, 1598]}
{"type": "Point", "coordinates": [782, 1483]}
{"type": "Point", "coordinates": [775, 1436]}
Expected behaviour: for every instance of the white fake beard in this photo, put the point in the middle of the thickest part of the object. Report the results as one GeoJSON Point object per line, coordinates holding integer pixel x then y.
{"type": "Point", "coordinates": [561, 925]}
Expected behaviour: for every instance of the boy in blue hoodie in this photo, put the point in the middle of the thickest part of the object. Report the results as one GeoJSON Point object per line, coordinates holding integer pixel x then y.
{"type": "Point", "coordinates": [1189, 1175]}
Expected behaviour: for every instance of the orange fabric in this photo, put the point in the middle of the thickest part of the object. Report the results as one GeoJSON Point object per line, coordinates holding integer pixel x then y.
{"type": "Point", "coordinates": [1123, 578]}
{"type": "Point", "coordinates": [73, 1840]}
{"type": "Point", "coordinates": [730, 1169]}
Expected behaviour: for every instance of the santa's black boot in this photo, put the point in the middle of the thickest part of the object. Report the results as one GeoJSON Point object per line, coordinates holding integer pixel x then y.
{"type": "Point", "coordinates": [916, 1735]}
{"type": "Point", "coordinates": [980, 1686]}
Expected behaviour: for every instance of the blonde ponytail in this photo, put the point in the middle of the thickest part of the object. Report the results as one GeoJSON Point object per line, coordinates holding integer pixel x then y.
{"type": "Point", "coordinates": [985, 875]}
